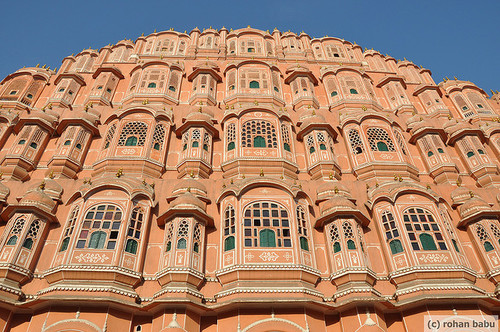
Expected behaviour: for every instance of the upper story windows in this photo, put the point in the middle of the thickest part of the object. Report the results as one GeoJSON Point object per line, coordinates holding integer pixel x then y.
{"type": "Point", "coordinates": [423, 231]}
{"type": "Point", "coordinates": [379, 140]}
{"type": "Point", "coordinates": [133, 134]}
{"type": "Point", "coordinates": [266, 224]}
{"type": "Point", "coordinates": [259, 134]}
{"type": "Point", "coordinates": [156, 80]}
{"type": "Point", "coordinates": [392, 233]}
{"type": "Point", "coordinates": [253, 80]}
{"type": "Point", "coordinates": [471, 103]}
{"type": "Point", "coordinates": [347, 85]}
{"type": "Point", "coordinates": [100, 227]}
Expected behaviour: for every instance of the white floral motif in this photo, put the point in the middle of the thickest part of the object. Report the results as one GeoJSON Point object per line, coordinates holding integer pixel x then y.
{"type": "Point", "coordinates": [269, 256]}
{"type": "Point", "coordinates": [91, 258]}
{"type": "Point", "coordinates": [433, 258]}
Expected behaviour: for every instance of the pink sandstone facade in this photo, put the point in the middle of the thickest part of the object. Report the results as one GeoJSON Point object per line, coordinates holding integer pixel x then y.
{"type": "Point", "coordinates": [245, 181]}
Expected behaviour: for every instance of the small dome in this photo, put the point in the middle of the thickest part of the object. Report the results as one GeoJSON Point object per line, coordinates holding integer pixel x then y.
{"type": "Point", "coordinates": [50, 187]}
{"type": "Point", "coordinates": [188, 200]}
{"type": "Point", "coordinates": [461, 195]}
{"type": "Point", "coordinates": [38, 197]}
{"type": "Point", "coordinates": [195, 186]}
{"type": "Point", "coordinates": [310, 116]}
{"type": "Point", "coordinates": [337, 203]}
{"type": "Point", "coordinates": [330, 189]}
{"type": "Point", "coordinates": [473, 205]}
{"type": "Point", "coordinates": [199, 116]}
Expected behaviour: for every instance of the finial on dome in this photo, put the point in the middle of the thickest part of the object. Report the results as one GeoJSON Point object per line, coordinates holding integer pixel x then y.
{"type": "Point", "coordinates": [154, 31]}
{"type": "Point", "coordinates": [51, 175]}
{"type": "Point", "coordinates": [330, 176]}
{"type": "Point", "coordinates": [471, 193]}
{"type": "Point", "coordinates": [261, 172]}
{"type": "Point", "coordinates": [42, 185]}
{"type": "Point", "coordinates": [119, 173]}
{"type": "Point", "coordinates": [456, 79]}
{"type": "Point", "coordinates": [191, 174]}
{"type": "Point", "coordinates": [336, 190]}
{"type": "Point", "coordinates": [37, 65]}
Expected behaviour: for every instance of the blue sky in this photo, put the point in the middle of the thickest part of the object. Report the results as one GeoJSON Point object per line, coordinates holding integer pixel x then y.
{"type": "Point", "coordinates": [451, 38]}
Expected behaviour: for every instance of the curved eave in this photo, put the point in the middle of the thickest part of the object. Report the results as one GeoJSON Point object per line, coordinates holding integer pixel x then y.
{"type": "Point", "coordinates": [117, 72]}
{"type": "Point", "coordinates": [477, 216]}
{"type": "Point", "coordinates": [238, 64]}
{"type": "Point", "coordinates": [74, 76]}
{"type": "Point", "coordinates": [347, 118]}
{"type": "Point", "coordinates": [342, 213]}
{"type": "Point", "coordinates": [415, 135]}
{"type": "Point", "coordinates": [155, 113]}
{"type": "Point", "coordinates": [238, 113]}
{"type": "Point", "coordinates": [204, 70]}
{"type": "Point", "coordinates": [10, 117]}
{"type": "Point", "coordinates": [185, 212]}
{"type": "Point", "coordinates": [312, 126]}
{"type": "Point", "coordinates": [391, 195]}
{"type": "Point", "coordinates": [391, 78]}
{"type": "Point", "coordinates": [197, 123]}
{"type": "Point", "coordinates": [50, 127]}
{"type": "Point", "coordinates": [19, 208]}
{"type": "Point", "coordinates": [423, 87]}
{"type": "Point", "coordinates": [453, 137]}
{"type": "Point", "coordinates": [34, 72]}
{"type": "Point", "coordinates": [336, 70]}
{"type": "Point", "coordinates": [238, 189]}
{"type": "Point", "coordinates": [65, 122]}
{"type": "Point", "coordinates": [297, 72]}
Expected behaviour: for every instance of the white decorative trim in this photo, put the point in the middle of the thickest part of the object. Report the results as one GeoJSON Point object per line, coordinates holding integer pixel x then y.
{"type": "Point", "coordinates": [268, 267]}
{"type": "Point", "coordinates": [177, 290]}
{"type": "Point", "coordinates": [274, 319]}
{"type": "Point", "coordinates": [106, 289]}
{"type": "Point", "coordinates": [269, 290]}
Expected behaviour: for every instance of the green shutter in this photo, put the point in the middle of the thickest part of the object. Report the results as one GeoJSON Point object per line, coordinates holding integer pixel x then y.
{"type": "Point", "coordinates": [229, 243]}
{"type": "Point", "coordinates": [427, 242]}
{"type": "Point", "coordinates": [336, 247]}
{"type": "Point", "coordinates": [396, 247]}
{"type": "Point", "coordinates": [304, 245]}
{"type": "Point", "coordinates": [259, 142]}
{"type": "Point", "coordinates": [381, 146]}
{"type": "Point", "coordinates": [267, 238]}
{"type": "Point", "coordinates": [351, 244]}
{"type": "Point", "coordinates": [131, 141]}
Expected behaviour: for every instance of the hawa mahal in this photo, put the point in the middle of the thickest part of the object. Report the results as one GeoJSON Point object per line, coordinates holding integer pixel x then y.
{"type": "Point", "coordinates": [245, 180]}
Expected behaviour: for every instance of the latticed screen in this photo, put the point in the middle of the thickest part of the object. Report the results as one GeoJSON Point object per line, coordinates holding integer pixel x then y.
{"type": "Point", "coordinates": [100, 227]}
{"type": "Point", "coordinates": [266, 224]}
{"type": "Point", "coordinates": [423, 230]}
{"type": "Point", "coordinates": [134, 230]}
{"type": "Point", "coordinates": [158, 137]}
{"type": "Point", "coordinates": [16, 231]}
{"type": "Point", "coordinates": [379, 140]}
{"type": "Point", "coordinates": [355, 141]}
{"type": "Point", "coordinates": [259, 134]}
{"type": "Point", "coordinates": [134, 133]}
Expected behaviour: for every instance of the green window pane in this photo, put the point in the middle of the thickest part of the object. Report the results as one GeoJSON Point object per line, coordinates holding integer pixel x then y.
{"type": "Point", "coordinates": [28, 243]}
{"type": "Point", "coordinates": [64, 244]}
{"type": "Point", "coordinates": [230, 146]}
{"type": "Point", "coordinates": [229, 243]}
{"type": "Point", "coordinates": [182, 244]}
{"type": "Point", "coordinates": [488, 246]}
{"type": "Point", "coordinates": [195, 144]}
{"type": "Point", "coordinates": [336, 247]}
{"type": "Point", "coordinates": [254, 85]}
{"type": "Point", "coordinates": [286, 146]}
{"type": "Point", "coordinates": [322, 146]}
{"type": "Point", "coordinates": [12, 240]}
{"type": "Point", "coordinates": [131, 141]}
{"type": "Point", "coordinates": [259, 142]}
{"type": "Point", "coordinates": [351, 244]}
{"type": "Point", "coordinates": [396, 247]}
{"type": "Point", "coordinates": [353, 91]}
{"type": "Point", "coordinates": [267, 238]}
{"type": "Point", "coordinates": [304, 245]}
{"type": "Point", "coordinates": [97, 240]}
{"type": "Point", "coordinates": [381, 146]}
{"type": "Point", "coordinates": [427, 242]}
{"type": "Point", "coordinates": [131, 246]}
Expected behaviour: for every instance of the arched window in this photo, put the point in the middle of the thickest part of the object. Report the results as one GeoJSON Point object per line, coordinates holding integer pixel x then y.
{"type": "Point", "coordinates": [158, 137]}
{"type": "Point", "coordinates": [104, 221]}
{"type": "Point", "coordinates": [231, 136]}
{"type": "Point", "coordinates": [97, 240]}
{"type": "Point", "coordinates": [16, 230]}
{"type": "Point", "coordinates": [32, 234]}
{"type": "Point", "coordinates": [484, 238]}
{"type": "Point", "coordinates": [355, 141]}
{"type": "Point", "coordinates": [195, 138]}
{"type": "Point", "coordinates": [285, 136]}
{"type": "Point", "coordinates": [109, 136]}
{"type": "Point", "coordinates": [379, 140]}
{"type": "Point", "coordinates": [229, 228]}
{"type": "Point", "coordinates": [348, 235]}
{"type": "Point", "coordinates": [134, 229]}
{"type": "Point", "coordinates": [133, 133]}
{"type": "Point", "coordinates": [70, 226]}
{"type": "Point", "coordinates": [423, 230]}
{"type": "Point", "coordinates": [353, 91]}
{"type": "Point", "coordinates": [335, 238]}
{"type": "Point", "coordinates": [391, 232]}
{"type": "Point", "coordinates": [182, 234]}
{"type": "Point", "coordinates": [496, 232]}
{"type": "Point", "coordinates": [206, 141]}
{"type": "Point", "coordinates": [302, 228]}
{"type": "Point", "coordinates": [170, 234]}
{"type": "Point", "coordinates": [196, 238]}
{"type": "Point", "coordinates": [254, 85]}
{"type": "Point", "coordinates": [271, 218]}
{"type": "Point", "coordinates": [152, 85]}
{"type": "Point", "coordinates": [262, 129]}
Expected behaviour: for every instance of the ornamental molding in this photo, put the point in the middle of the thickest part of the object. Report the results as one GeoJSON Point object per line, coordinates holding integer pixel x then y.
{"type": "Point", "coordinates": [264, 267]}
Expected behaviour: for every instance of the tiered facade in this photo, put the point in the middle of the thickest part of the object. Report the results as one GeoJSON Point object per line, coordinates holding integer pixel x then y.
{"type": "Point", "coordinates": [245, 181]}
